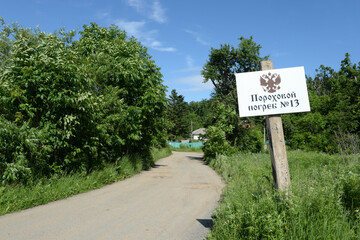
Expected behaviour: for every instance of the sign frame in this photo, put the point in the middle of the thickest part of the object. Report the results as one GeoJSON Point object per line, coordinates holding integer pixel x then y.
{"type": "Point", "coordinates": [272, 92]}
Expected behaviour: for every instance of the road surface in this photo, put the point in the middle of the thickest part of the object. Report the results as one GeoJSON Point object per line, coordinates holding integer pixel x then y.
{"type": "Point", "coordinates": [174, 200]}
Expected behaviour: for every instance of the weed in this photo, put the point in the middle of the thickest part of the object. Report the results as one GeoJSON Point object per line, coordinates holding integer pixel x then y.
{"type": "Point", "coordinates": [324, 198]}
{"type": "Point", "coordinates": [16, 197]}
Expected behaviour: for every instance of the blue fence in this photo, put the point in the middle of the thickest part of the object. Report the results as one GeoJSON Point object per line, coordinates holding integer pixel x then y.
{"type": "Point", "coordinates": [186, 145]}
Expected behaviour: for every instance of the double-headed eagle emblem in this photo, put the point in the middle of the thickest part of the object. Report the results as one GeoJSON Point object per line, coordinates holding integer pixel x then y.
{"type": "Point", "coordinates": [270, 82]}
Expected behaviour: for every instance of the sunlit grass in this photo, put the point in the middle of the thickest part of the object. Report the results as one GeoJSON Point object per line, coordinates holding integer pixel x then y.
{"type": "Point", "coordinates": [17, 197]}
{"type": "Point", "coordinates": [184, 148]}
{"type": "Point", "coordinates": [324, 202]}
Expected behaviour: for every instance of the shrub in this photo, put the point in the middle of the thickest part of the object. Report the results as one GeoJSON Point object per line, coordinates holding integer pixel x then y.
{"type": "Point", "coordinates": [351, 193]}
{"type": "Point", "coordinates": [216, 144]}
{"type": "Point", "coordinates": [68, 105]}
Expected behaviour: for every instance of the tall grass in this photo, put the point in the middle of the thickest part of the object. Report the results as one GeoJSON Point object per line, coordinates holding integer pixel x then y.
{"type": "Point", "coordinates": [17, 197]}
{"type": "Point", "coordinates": [324, 202]}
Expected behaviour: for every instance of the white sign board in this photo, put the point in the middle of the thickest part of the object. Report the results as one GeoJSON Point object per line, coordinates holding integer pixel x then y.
{"type": "Point", "coordinates": [272, 92]}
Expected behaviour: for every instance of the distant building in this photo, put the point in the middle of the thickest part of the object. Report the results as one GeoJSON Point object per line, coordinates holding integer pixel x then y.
{"type": "Point", "coordinates": [197, 133]}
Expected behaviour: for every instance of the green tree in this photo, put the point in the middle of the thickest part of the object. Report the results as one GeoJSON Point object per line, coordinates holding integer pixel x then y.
{"type": "Point", "coordinates": [200, 113]}
{"type": "Point", "coordinates": [68, 105]}
{"type": "Point", "coordinates": [334, 117]}
{"type": "Point", "coordinates": [220, 69]}
{"type": "Point", "coordinates": [134, 102]}
{"type": "Point", "coordinates": [178, 116]}
{"type": "Point", "coordinates": [224, 62]}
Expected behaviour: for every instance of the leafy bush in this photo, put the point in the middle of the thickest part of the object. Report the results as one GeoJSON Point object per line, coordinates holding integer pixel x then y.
{"type": "Point", "coordinates": [70, 105]}
{"type": "Point", "coordinates": [334, 117]}
{"type": "Point", "coordinates": [216, 143]}
{"type": "Point", "coordinates": [351, 193]}
{"type": "Point", "coordinates": [250, 140]}
{"type": "Point", "coordinates": [15, 172]}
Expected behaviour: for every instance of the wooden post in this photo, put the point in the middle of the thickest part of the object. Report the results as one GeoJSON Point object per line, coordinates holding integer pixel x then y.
{"type": "Point", "coordinates": [279, 163]}
{"type": "Point", "coordinates": [265, 146]}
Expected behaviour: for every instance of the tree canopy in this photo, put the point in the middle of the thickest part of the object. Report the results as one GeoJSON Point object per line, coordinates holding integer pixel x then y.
{"type": "Point", "coordinates": [334, 119]}
{"type": "Point", "coordinates": [333, 125]}
{"type": "Point", "coordinates": [224, 62]}
{"type": "Point", "coordinates": [67, 105]}
{"type": "Point", "coordinates": [178, 116]}
{"type": "Point", "coordinates": [220, 69]}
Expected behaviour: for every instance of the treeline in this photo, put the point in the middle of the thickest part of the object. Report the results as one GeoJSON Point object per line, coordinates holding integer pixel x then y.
{"type": "Point", "coordinates": [185, 117]}
{"type": "Point", "coordinates": [332, 126]}
{"type": "Point", "coordinates": [327, 204]}
{"type": "Point", "coordinates": [68, 105]}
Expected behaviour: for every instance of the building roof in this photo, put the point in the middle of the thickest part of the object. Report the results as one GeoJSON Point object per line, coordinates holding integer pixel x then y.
{"type": "Point", "coordinates": [199, 131]}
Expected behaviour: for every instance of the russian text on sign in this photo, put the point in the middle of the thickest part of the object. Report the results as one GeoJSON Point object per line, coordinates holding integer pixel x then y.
{"type": "Point", "coordinates": [272, 92]}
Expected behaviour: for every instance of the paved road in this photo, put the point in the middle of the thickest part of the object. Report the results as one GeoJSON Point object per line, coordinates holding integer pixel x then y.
{"type": "Point", "coordinates": [174, 200]}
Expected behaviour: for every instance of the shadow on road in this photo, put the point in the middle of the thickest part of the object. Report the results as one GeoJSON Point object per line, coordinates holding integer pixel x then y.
{"type": "Point", "coordinates": [156, 166]}
{"type": "Point", "coordinates": [208, 223]}
{"type": "Point", "coordinates": [159, 165]}
{"type": "Point", "coordinates": [200, 159]}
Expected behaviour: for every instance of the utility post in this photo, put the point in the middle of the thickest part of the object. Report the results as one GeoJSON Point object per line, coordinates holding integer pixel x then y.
{"type": "Point", "coordinates": [279, 162]}
{"type": "Point", "coordinates": [191, 130]}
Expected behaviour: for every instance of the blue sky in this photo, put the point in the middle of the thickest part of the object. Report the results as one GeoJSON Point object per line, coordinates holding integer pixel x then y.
{"type": "Point", "coordinates": [179, 34]}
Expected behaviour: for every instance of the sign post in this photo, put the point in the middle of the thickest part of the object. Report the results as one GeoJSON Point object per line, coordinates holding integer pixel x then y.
{"type": "Point", "coordinates": [279, 162]}
{"type": "Point", "coordinates": [270, 93]}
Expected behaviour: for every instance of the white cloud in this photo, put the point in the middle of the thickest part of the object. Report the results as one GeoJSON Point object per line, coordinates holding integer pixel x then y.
{"type": "Point", "coordinates": [165, 49]}
{"type": "Point", "coordinates": [154, 44]}
{"type": "Point", "coordinates": [138, 4]}
{"type": "Point", "coordinates": [189, 69]}
{"type": "Point", "coordinates": [158, 13]}
{"type": "Point", "coordinates": [102, 14]}
{"type": "Point", "coordinates": [189, 61]}
{"type": "Point", "coordinates": [193, 83]}
{"type": "Point", "coordinates": [153, 11]}
{"type": "Point", "coordinates": [147, 37]}
{"type": "Point", "coordinates": [198, 37]}
{"type": "Point", "coordinates": [133, 28]}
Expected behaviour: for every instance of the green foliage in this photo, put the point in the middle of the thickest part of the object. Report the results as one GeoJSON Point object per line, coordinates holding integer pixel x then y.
{"type": "Point", "coordinates": [334, 117]}
{"type": "Point", "coordinates": [186, 149]}
{"type": "Point", "coordinates": [228, 133]}
{"type": "Point", "coordinates": [216, 143]}
{"type": "Point", "coordinates": [251, 140]}
{"type": "Point", "coordinates": [220, 69]}
{"type": "Point", "coordinates": [351, 193]}
{"type": "Point", "coordinates": [200, 113]}
{"type": "Point", "coordinates": [323, 203]}
{"type": "Point", "coordinates": [224, 62]}
{"type": "Point", "coordinates": [69, 105]}
{"type": "Point", "coordinates": [17, 197]}
{"type": "Point", "coordinates": [334, 99]}
{"type": "Point", "coordinates": [178, 115]}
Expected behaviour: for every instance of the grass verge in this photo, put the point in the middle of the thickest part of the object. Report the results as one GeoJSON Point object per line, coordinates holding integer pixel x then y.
{"type": "Point", "coordinates": [186, 149]}
{"type": "Point", "coordinates": [18, 197]}
{"type": "Point", "coordinates": [324, 202]}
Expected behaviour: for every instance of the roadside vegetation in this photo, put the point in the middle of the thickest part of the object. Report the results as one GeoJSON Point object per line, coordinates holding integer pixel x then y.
{"type": "Point", "coordinates": [186, 149]}
{"type": "Point", "coordinates": [75, 114]}
{"type": "Point", "coordinates": [323, 154]}
{"type": "Point", "coordinates": [81, 110]}
{"type": "Point", "coordinates": [76, 104]}
{"type": "Point", "coordinates": [17, 197]}
{"type": "Point", "coordinates": [324, 202]}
